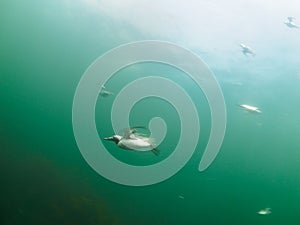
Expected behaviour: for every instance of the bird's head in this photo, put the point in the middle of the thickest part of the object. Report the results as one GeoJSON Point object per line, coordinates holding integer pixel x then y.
{"type": "Point", "coordinates": [115, 138]}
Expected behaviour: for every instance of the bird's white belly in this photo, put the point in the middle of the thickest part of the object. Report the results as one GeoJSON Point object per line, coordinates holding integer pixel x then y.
{"type": "Point", "coordinates": [135, 144]}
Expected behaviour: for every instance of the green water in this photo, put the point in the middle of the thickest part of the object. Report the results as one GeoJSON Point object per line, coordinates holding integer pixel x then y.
{"type": "Point", "coordinates": [45, 47]}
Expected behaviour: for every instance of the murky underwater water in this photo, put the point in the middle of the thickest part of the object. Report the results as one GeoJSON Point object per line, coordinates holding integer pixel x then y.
{"type": "Point", "coordinates": [46, 48]}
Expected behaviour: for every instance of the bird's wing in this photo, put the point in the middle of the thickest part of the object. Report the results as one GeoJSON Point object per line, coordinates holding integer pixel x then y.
{"type": "Point", "coordinates": [131, 132]}
{"type": "Point", "coordinates": [128, 133]}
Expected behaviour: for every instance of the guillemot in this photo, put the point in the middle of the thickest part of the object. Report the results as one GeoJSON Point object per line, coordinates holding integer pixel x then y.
{"type": "Point", "coordinates": [250, 108]}
{"type": "Point", "coordinates": [105, 93]}
{"type": "Point", "coordinates": [290, 22]}
{"type": "Point", "coordinates": [265, 211]}
{"type": "Point", "coordinates": [131, 140]}
{"type": "Point", "coordinates": [247, 50]}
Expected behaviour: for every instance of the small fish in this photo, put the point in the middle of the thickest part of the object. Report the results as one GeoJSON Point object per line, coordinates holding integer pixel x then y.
{"type": "Point", "coordinates": [265, 211]}
{"type": "Point", "coordinates": [250, 108]}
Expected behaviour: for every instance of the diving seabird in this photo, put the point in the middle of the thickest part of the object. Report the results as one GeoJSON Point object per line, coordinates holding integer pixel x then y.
{"type": "Point", "coordinates": [290, 22]}
{"type": "Point", "coordinates": [265, 211]}
{"type": "Point", "coordinates": [131, 140]}
{"type": "Point", "coordinates": [105, 93]}
{"type": "Point", "coordinates": [247, 50]}
{"type": "Point", "coordinates": [250, 108]}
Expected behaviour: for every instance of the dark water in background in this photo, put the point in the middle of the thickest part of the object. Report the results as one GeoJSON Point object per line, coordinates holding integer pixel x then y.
{"type": "Point", "coordinates": [45, 47]}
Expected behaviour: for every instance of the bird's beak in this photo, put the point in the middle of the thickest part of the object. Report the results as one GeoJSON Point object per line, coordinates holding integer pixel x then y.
{"type": "Point", "coordinates": [108, 138]}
